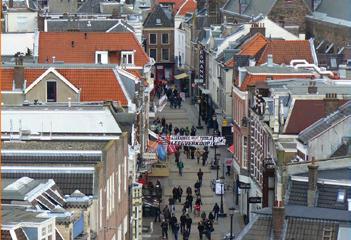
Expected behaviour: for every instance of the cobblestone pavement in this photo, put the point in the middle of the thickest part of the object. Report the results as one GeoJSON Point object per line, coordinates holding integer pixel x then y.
{"type": "Point", "coordinates": [188, 116]}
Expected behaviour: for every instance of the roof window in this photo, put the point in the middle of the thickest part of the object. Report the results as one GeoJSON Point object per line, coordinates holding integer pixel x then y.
{"type": "Point", "coordinates": [341, 196]}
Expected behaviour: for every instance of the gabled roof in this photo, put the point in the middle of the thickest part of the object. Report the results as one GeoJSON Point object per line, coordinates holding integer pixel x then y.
{"type": "Point", "coordinates": [59, 44]}
{"type": "Point", "coordinates": [90, 6]}
{"type": "Point", "coordinates": [253, 45]}
{"type": "Point", "coordinates": [335, 9]}
{"type": "Point", "coordinates": [304, 113]}
{"type": "Point", "coordinates": [186, 7]}
{"type": "Point", "coordinates": [95, 84]}
{"type": "Point", "coordinates": [284, 51]}
{"type": "Point", "coordinates": [159, 17]}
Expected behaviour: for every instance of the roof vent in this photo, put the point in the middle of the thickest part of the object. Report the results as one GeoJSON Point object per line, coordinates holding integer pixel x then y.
{"type": "Point", "coordinates": [158, 21]}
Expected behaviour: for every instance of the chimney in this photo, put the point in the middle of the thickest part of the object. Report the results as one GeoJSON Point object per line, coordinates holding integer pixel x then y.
{"type": "Point", "coordinates": [312, 183]}
{"type": "Point", "coordinates": [278, 214]}
{"type": "Point", "coordinates": [257, 28]}
{"type": "Point", "coordinates": [53, 59]}
{"type": "Point", "coordinates": [18, 73]}
{"type": "Point", "coordinates": [270, 60]}
{"type": "Point", "coordinates": [312, 88]}
{"type": "Point", "coordinates": [331, 103]}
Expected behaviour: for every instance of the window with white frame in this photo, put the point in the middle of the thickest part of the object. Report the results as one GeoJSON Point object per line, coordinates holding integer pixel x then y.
{"type": "Point", "coordinates": [46, 232]}
{"type": "Point", "coordinates": [127, 58]}
{"type": "Point", "coordinates": [165, 39]}
{"type": "Point", "coordinates": [153, 38]}
{"type": "Point", "coordinates": [165, 54]}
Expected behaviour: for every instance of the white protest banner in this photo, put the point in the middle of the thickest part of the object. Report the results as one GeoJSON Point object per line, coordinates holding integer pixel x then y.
{"type": "Point", "coordinates": [197, 140]}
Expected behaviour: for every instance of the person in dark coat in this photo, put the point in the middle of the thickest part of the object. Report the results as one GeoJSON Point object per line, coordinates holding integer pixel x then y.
{"type": "Point", "coordinates": [180, 193]}
{"type": "Point", "coordinates": [192, 152]}
{"type": "Point", "coordinates": [200, 174]}
{"type": "Point", "coordinates": [157, 214]}
{"type": "Point", "coordinates": [197, 187]}
{"type": "Point", "coordinates": [186, 235]}
{"type": "Point", "coordinates": [182, 223]}
{"type": "Point", "coordinates": [198, 201]}
{"type": "Point", "coordinates": [171, 203]}
{"type": "Point", "coordinates": [172, 222]}
{"type": "Point", "coordinates": [164, 227]}
{"type": "Point", "coordinates": [190, 199]}
{"type": "Point", "coordinates": [189, 221]}
{"type": "Point", "coordinates": [176, 231]}
{"type": "Point", "coordinates": [188, 191]}
{"type": "Point", "coordinates": [193, 131]}
{"type": "Point", "coordinates": [175, 193]}
{"type": "Point", "coordinates": [163, 122]}
{"type": "Point", "coordinates": [216, 211]}
{"type": "Point", "coordinates": [201, 228]}
{"type": "Point", "coordinates": [211, 217]}
{"type": "Point", "coordinates": [177, 156]}
{"type": "Point", "coordinates": [204, 158]}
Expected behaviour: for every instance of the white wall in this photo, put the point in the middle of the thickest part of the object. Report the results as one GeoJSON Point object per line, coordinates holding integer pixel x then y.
{"type": "Point", "coordinates": [213, 74]}
{"type": "Point", "coordinates": [179, 40]}
{"type": "Point", "coordinates": [328, 142]}
{"type": "Point", "coordinates": [21, 21]}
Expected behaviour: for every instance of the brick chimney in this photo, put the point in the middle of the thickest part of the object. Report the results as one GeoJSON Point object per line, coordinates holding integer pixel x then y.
{"type": "Point", "coordinates": [257, 28]}
{"type": "Point", "coordinates": [312, 183]}
{"type": "Point", "coordinates": [331, 103]}
{"type": "Point", "coordinates": [312, 88]}
{"type": "Point", "coordinates": [18, 73]}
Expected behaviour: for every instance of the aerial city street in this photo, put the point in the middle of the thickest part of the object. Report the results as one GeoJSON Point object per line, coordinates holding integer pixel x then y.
{"type": "Point", "coordinates": [176, 119]}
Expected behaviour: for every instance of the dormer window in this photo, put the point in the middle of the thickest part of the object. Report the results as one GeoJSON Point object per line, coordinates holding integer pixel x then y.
{"type": "Point", "coordinates": [158, 21]}
{"type": "Point", "coordinates": [101, 57]}
{"type": "Point", "coordinates": [127, 58]}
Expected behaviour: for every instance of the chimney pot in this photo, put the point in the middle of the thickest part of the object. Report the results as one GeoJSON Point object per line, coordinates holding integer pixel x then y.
{"type": "Point", "coordinates": [270, 60]}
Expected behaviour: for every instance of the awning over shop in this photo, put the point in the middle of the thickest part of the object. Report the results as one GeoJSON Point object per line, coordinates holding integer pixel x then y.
{"type": "Point", "coordinates": [181, 76]}
{"type": "Point", "coordinates": [231, 149]}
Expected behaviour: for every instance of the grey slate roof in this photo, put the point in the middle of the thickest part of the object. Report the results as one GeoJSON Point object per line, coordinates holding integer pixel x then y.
{"type": "Point", "coordinates": [254, 7]}
{"type": "Point", "coordinates": [326, 195]}
{"type": "Point", "coordinates": [336, 9]}
{"type": "Point", "coordinates": [67, 181]}
{"type": "Point", "coordinates": [21, 191]}
{"type": "Point", "coordinates": [277, 69]}
{"type": "Point", "coordinates": [90, 6]}
{"type": "Point", "coordinates": [163, 14]}
{"type": "Point", "coordinates": [83, 25]}
{"type": "Point", "coordinates": [324, 123]}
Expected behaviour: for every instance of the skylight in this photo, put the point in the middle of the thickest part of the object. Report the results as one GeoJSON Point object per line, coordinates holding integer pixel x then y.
{"type": "Point", "coordinates": [341, 196]}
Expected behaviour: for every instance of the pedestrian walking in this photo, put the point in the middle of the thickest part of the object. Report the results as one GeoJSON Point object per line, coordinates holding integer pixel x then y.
{"type": "Point", "coordinates": [188, 190]}
{"type": "Point", "coordinates": [164, 227]}
{"type": "Point", "coordinates": [175, 193]}
{"type": "Point", "coordinates": [190, 199]}
{"type": "Point", "coordinates": [197, 187]}
{"type": "Point", "coordinates": [186, 152]}
{"type": "Point", "coordinates": [204, 158]}
{"type": "Point", "coordinates": [182, 222]}
{"type": "Point", "coordinates": [200, 174]}
{"type": "Point", "coordinates": [197, 209]}
{"type": "Point", "coordinates": [177, 155]}
{"type": "Point", "coordinates": [186, 207]}
{"type": "Point", "coordinates": [176, 231]}
{"type": "Point", "coordinates": [201, 228]}
{"type": "Point", "coordinates": [157, 214]}
{"type": "Point", "coordinates": [172, 222]}
{"type": "Point", "coordinates": [211, 217]}
{"type": "Point", "coordinates": [189, 221]}
{"type": "Point", "coordinates": [180, 193]}
{"type": "Point", "coordinates": [192, 152]}
{"type": "Point", "coordinates": [193, 131]}
{"type": "Point", "coordinates": [216, 211]}
{"type": "Point", "coordinates": [198, 155]}
{"type": "Point", "coordinates": [186, 235]}
{"type": "Point", "coordinates": [198, 200]}
{"type": "Point", "coordinates": [180, 167]}
{"type": "Point", "coordinates": [171, 203]}
{"type": "Point", "coordinates": [203, 215]}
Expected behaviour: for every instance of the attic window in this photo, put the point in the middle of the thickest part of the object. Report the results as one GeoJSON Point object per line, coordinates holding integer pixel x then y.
{"type": "Point", "coordinates": [341, 196]}
{"type": "Point", "coordinates": [158, 21]}
{"type": "Point", "coordinates": [127, 58]}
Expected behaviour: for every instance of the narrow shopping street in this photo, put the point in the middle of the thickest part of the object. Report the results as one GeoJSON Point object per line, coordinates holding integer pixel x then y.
{"type": "Point", "coordinates": [187, 116]}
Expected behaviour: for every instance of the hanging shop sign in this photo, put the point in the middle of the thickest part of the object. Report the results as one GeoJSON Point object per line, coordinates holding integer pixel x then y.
{"type": "Point", "coordinates": [255, 199]}
{"type": "Point", "coordinates": [197, 140]}
{"type": "Point", "coordinates": [202, 64]}
{"type": "Point", "coordinates": [242, 185]}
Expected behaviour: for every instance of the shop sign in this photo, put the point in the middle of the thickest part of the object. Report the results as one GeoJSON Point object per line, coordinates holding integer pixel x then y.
{"type": "Point", "coordinates": [255, 199]}
{"type": "Point", "coordinates": [198, 80]}
{"type": "Point", "coordinates": [243, 185]}
{"type": "Point", "coordinates": [149, 155]}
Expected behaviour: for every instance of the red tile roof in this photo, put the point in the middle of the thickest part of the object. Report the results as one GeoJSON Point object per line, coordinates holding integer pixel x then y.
{"type": "Point", "coordinates": [252, 80]}
{"type": "Point", "coordinates": [230, 63]}
{"type": "Point", "coordinates": [135, 72]}
{"type": "Point", "coordinates": [76, 47]}
{"type": "Point", "coordinates": [283, 51]}
{"type": "Point", "coordinates": [305, 113]}
{"type": "Point", "coordinates": [187, 6]}
{"type": "Point", "coordinates": [95, 84]}
{"type": "Point", "coordinates": [253, 45]}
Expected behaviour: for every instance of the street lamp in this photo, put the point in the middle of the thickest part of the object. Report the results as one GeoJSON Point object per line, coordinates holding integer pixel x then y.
{"type": "Point", "coordinates": [231, 213]}
{"type": "Point", "coordinates": [199, 121]}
